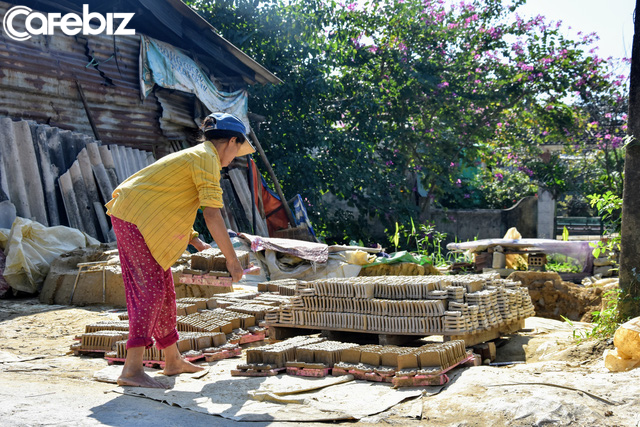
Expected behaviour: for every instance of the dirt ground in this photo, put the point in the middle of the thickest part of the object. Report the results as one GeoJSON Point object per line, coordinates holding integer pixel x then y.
{"type": "Point", "coordinates": [554, 298]}
{"type": "Point", "coordinates": [561, 383]}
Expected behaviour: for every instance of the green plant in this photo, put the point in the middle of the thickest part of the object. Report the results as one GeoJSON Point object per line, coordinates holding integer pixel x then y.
{"type": "Point", "coordinates": [605, 322]}
{"type": "Point", "coordinates": [563, 267]}
{"type": "Point", "coordinates": [578, 335]}
{"type": "Point", "coordinates": [426, 240]}
{"type": "Point", "coordinates": [609, 206]}
{"type": "Point", "coordinates": [396, 237]}
{"type": "Point", "coordinates": [429, 242]}
{"type": "Point", "coordinates": [374, 92]}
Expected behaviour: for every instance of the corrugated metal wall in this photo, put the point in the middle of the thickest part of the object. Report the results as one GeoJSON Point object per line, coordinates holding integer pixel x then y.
{"type": "Point", "coordinates": [38, 82]}
{"type": "Point", "coordinates": [41, 80]}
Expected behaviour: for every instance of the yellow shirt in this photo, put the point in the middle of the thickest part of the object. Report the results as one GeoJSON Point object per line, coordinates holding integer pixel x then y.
{"type": "Point", "coordinates": [162, 199]}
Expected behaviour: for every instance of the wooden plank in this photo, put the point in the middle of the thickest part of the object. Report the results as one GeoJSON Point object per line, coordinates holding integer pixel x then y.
{"type": "Point", "coordinates": [241, 186]}
{"type": "Point", "coordinates": [491, 334]}
{"type": "Point", "coordinates": [324, 328]}
{"type": "Point", "coordinates": [237, 212]}
{"type": "Point", "coordinates": [227, 214]}
{"type": "Point", "coordinates": [225, 218]}
{"type": "Point", "coordinates": [280, 333]}
{"type": "Point", "coordinates": [283, 331]}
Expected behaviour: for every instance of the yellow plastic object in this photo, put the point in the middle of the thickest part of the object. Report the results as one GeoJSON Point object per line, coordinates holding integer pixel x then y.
{"type": "Point", "coordinates": [514, 261]}
{"type": "Point", "coordinates": [627, 339]}
{"type": "Point", "coordinates": [512, 233]}
{"type": "Point", "coordinates": [356, 257]}
{"type": "Point", "coordinates": [626, 356]}
{"type": "Point", "coordinates": [615, 363]}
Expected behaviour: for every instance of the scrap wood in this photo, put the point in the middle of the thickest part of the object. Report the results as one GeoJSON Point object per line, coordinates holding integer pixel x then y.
{"type": "Point", "coordinates": [272, 397]}
{"type": "Point", "coordinates": [313, 386]}
{"type": "Point", "coordinates": [608, 402]}
{"type": "Point", "coordinates": [26, 359]}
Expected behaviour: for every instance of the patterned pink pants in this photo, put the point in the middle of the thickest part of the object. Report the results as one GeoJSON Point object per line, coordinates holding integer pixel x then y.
{"type": "Point", "coordinates": [151, 295]}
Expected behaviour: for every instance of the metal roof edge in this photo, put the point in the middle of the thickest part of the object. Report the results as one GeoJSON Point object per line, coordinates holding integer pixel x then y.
{"type": "Point", "coordinates": [262, 74]}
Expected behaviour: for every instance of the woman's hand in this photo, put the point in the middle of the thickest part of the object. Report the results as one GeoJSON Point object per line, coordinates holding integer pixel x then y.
{"type": "Point", "coordinates": [235, 269]}
{"type": "Point", "coordinates": [199, 244]}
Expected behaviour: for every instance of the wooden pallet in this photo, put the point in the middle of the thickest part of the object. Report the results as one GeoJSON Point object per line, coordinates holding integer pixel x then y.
{"type": "Point", "coordinates": [279, 332]}
{"type": "Point", "coordinates": [488, 335]}
{"type": "Point", "coordinates": [256, 372]}
{"type": "Point", "coordinates": [308, 372]}
{"type": "Point", "coordinates": [422, 380]}
{"type": "Point", "coordinates": [405, 380]}
{"type": "Point", "coordinates": [359, 375]}
{"type": "Point", "coordinates": [252, 337]}
{"type": "Point", "coordinates": [222, 354]}
{"type": "Point", "coordinates": [83, 352]}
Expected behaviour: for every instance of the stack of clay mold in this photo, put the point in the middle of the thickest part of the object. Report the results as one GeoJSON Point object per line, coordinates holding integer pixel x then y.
{"type": "Point", "coordinates": [107, 325]}
{"type": "Point", "coordinates": [204, 321]}
{"type": "Point", "coordinates": [101, 341]}
{"type": "Point", "coordinates": [270, 359]}
{"type": "Point", "coordinates": [316, 359]}
{"type": "Point", "coordinates": [415, 305]}
{"type": "Point", "coordinates": [212, 260]}
{"type": "Point", "coordinates": [192, 345]}
{"type": "Point", "coordinates": [209, 268]}
{"type": "Point", "coordinates": [402, 365]}
{"type": "Point", "coordinates": [282, 286]}
{"type": "Point", "coordinates": [258, 305]}
{"type": "Point", "coordinates": [240, 327]}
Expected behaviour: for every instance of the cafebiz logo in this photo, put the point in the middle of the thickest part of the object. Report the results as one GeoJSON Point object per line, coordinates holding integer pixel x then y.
{"type": "Point", "coordinates": [37, 23]}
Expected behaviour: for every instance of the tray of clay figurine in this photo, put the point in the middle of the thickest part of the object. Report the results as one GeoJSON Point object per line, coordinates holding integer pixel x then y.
{"type": "Point", "coordinates": [256, 370]}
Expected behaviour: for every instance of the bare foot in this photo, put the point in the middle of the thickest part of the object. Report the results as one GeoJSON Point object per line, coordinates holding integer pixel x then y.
{"type": "Point", "coordinates": [140, 379]}
{"type": "Point", "coordinates": [181, 366]}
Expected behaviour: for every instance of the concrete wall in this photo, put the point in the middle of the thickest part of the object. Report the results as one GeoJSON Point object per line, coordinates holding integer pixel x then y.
{"type": "Point", "coordinates": [546, 215]}
{"type": "Point", "coordinates": [469, 224]}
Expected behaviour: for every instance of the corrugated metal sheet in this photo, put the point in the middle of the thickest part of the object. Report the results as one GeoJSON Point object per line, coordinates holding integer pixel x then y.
{"type": "Point", "coordinates": [178, 112]}
{"type": "Point", "coordinates": [38, 81]}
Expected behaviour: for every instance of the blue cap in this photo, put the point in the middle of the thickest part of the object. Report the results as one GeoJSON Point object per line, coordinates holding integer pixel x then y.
{"type": "Point", "coordinates": [229, 122]}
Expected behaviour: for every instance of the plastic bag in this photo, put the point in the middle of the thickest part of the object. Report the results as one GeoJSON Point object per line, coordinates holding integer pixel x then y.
{"type": "Point", "coordinates": [402, 256]}
{"type": "Point", "coordinates": [356, 257]}
{"type": "Point", "coordinates": [626, 356]}
{"type": "Point", "coordinates": [31, 247]}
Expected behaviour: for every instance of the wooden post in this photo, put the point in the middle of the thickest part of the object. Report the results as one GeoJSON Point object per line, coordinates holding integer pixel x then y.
{"type": "Point", "coordinates": [92, 122]}
{"type": "Point", "coordinates": [272, 174]}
